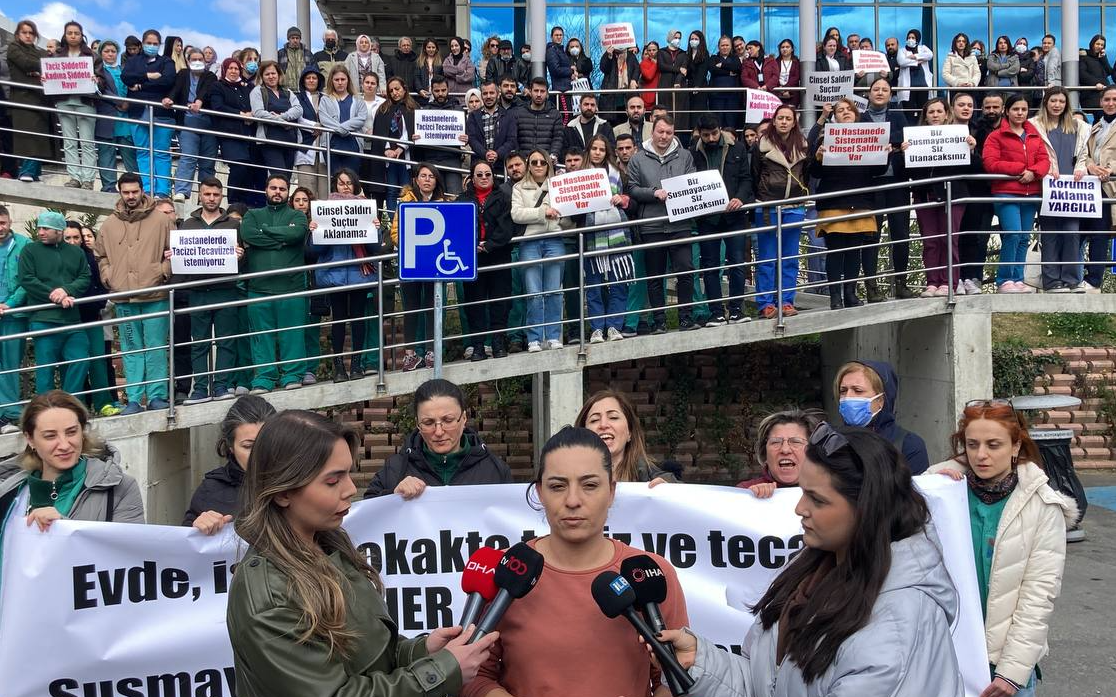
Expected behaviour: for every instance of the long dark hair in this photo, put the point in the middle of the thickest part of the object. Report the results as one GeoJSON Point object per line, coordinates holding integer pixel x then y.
{"type": "Point", "coordinates": [968, 47]}
{"type": "Point", "coordinates": [249, 409]}
{"type": "Point", "coordinates": [870, 474]}
{"type": "Point", "coordinates": [83, 47]}
{"type": "Point", "coordinates": [793, 143]}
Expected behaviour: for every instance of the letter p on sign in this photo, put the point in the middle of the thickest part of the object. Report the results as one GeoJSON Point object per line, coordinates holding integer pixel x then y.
{"type": "Point", "coordinates": [437, 241]}
{"type": "Point", "coordinates": [411, 239]}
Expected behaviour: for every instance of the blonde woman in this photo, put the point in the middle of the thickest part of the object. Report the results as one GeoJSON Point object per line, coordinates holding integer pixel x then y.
{"type": "Point", "coordinates": [343, 113]}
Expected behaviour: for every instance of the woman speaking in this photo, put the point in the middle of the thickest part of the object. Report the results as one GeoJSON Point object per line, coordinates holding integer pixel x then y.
{"type": "Point", "coordinates": [306, 614]}
{"type": "Point", "coordinates": [865, 609]}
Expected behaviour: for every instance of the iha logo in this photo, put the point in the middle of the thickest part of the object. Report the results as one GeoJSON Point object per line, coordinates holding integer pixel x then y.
{"type": "Point", "coordinates": [619, 585]}
{"type": "Point", "coordinates": [640, 575]}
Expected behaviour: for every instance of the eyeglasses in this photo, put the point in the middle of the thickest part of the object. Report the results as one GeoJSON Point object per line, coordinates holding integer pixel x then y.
{"type": "Point", "coordinates": [998, 402]}
{"type": "Point", "coordinates": [446, 422]}
{"type": "Point", "coordinates": [483, 175]}
{"type": "Point", "coordinates": [795, 442]}
{"type": "Point", "coordinates": [538, 163]}
{"type": "Point", "coordinates": [827, 439]}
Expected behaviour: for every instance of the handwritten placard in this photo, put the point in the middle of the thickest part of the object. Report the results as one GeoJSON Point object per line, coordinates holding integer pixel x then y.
{"type": "Point", "coordinates": [856, 143]}
{"type": "Point", "coordinates": [203, 251]}
{"type": "Point", "coordinates": [68, 75]}
{"type": "Point", "coordinates": [582, 191]}
{"type": "Point", "coordinates": [345, 222]}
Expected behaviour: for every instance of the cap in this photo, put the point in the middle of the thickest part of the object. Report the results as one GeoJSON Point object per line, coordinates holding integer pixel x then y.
{"type": "Point", "coordinates": [505, 44]}
{"type": "Point", "coordinates": [52, 220]}
{"type": "Point", "coordinates": [294, 31]}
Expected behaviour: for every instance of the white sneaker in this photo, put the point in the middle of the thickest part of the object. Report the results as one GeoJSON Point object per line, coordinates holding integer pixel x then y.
{"type": "Point", "coordinates": [597, 337]}
{"type": "Point", "coordinates": [941, 291]}
{"type": "Point", "coordinates": [1021, 287]}
{"type": "Point", "coordinates": [468, 353]}
{"type": "Point", "coordinates": [961, 289]}
{"type": "Point", "coordinates": [930, 292]}
{"type": "Point", "coordinates": [614, 334]}
{"type": "Point", "coordinates": [1007, 287]}
{"type": "Point", "coordinates": [971, 287]}
{"type": "Point", "coordinates": [1080, 287]}
{"type": "Point", "coordinates": [1089, 288]}
{"type": "Point", "coordinates": [27, 178]}
{"type": "Point", "coordinates": [534, 347]}
{"type": "Point", "coordinates": [554, 344]}
{"type": "Point", "coordinates": [180, 198]}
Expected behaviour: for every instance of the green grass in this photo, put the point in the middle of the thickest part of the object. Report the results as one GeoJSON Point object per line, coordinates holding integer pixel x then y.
{"type": "Point", "coordinates": [1050, 330]}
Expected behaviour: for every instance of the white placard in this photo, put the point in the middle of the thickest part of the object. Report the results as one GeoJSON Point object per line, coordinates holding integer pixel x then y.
{"type": "Point", "coordinates": [439, 126]}
{"type": "Point", "coordinates": [618, 35]}
{"type": "Point", "coordinates": [68, 75]}
{"type": "Point", "coordinates": [826, 88]}
{"type": "Point", "coordinates": [870, 62]}
{"type": "Point", "coordinates": [759, 105]}
{"type": "Point", "coordinates": [856, 143]}
{"type": "Point", "coordinates": [577, 87]}
{"type": "Point", "coordinates": [203, 251]}
{"type": "Point", "coordinates": [580, 192]}
{"type": "Point", "coordinates": [860, 102]}
{"type": "Point", "coordinates": [345, 222]}
{"type": "Point", "coordinates": [935, 146]}
{"type": "Point", "coordinates": [1062, 197]}
{"type": "Point", "coordinates": [691, 195]}
{"type": "Point", "coordinates": [127, 604]}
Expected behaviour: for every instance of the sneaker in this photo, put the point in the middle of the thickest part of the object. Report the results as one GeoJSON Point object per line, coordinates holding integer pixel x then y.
{"type": "Point", "coordinates": [307, 379]}
{"type": "Point", "coordinates": [534, 347]}
{"type": "Point", "coordinates": [1021, 287]}
{"type": "Point", "coordinates": [687, 324]}
{"type": "Point", "coordinates": [554, 345]}
{"type": "Point", "coordinates": [476, 356]}
{"type": "Point", "coordinates": [1059, 289]}
{"type": "Point", "coordinates": [1007, 287]}
{"type": "Point", "coordinates": [26, 178]}
{"type": "Point", "coordinates": [739, 317]}
{"type": "Point", "coordinates": [971, 287]}
{"type": "Point", "coordinates": [769, 312]}
{"type": "Point", "coordinates": [489, 351]}
{"type": "Point", "coordinates": [627, 333]}
{"type": "Point", "coordinates": [429, 359]}
{"type": "Point", "coordinates": [597, 337]}
{"type": "Point", "coordinates": [292, 386]}
{"type": "Point", "coordinates": [412, 361]}
{"type": "Point", "coordinates": [109, 410]}
{"type": "Point", "coordinates": [180, 198]}
{"type": "Point", "coordinates": [241, 390]}
{"type": "Point", "coordinates": [88, 186]}
{"type": "Point", "coordinates": [468, 355]}
{"type": "Point", "coordinates": [643, 329]}
{"type": "Point", "coordinates": [157, 404]}
{"type": "Point", "coordinates": [258, 390]}
{"type": "Point", "coordinates": [221, 393]}
{"type": "Point", "coordinates": [198, 397]}
{"type": "Point", "coordinates": [1079, 288]}
{"type": "Point", "coordinates": [789, 310]}
{"type": "Point", "coordinates": [942, 292]}
{"type": "Point", "coordinates": [614, 334]}
{"type": "Point", "coordinates": [131, 408]}
{"type": "Point", "coordinates": [718, 321]}
{"type": "Point", "coordinates": [572, 341]}
{"type": "Point", "coordinates": [930, 292]}
{"type": "Point", "coordinates": [1089, 288]}
{"type": "Point", "coordinates": [72, 184]}
{"type": "Point", "coordinates": [659, 329]}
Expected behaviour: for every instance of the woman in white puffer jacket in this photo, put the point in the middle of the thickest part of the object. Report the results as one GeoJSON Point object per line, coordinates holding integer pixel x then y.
{"type": "Point", "coordinates": [960, 68]}
{"type": "Point", "coordinates": [1019, 539]}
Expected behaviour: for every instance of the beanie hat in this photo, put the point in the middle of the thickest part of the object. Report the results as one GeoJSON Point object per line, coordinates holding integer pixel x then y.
{"type": "Point", "coordinates": [52, 220]}
{"type": "Point", "coordinates": [294, 31]}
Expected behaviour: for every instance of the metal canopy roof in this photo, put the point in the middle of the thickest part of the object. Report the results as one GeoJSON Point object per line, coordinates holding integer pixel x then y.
{"type": "Point", "coordinates": [387, 20]}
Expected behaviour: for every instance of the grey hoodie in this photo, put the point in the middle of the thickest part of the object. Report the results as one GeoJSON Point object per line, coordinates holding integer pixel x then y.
{"type": "Point", "coordinates": [646, 173]}
{"type": "Point", "coordinates": [101, 476]}
{"type": "Point", "coordinates": [905, 650]}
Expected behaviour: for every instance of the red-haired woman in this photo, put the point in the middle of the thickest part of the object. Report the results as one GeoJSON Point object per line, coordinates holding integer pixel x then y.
{"type": "Point", "coordinates": [1019, 538]}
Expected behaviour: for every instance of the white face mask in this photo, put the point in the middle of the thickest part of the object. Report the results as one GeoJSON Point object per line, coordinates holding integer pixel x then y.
{"type": "Point", "coordinates": [575, 51]}
{"type": "Point", "coordinates": [1020, 48]}
{"type": "Point", "coordinates": [675, 43]}
{"type": "Point", "coordinates": [197, 66]}
{"type": "Point", "coordinates": [911, 43]}
{"type": "Point", "coordinates": [694, 43]}
{"type": "Point", "coordinates": [526, 55]}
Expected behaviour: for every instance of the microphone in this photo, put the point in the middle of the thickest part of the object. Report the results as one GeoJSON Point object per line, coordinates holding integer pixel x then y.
{"type": "Point", "coordinates": [650, 586]}
{"type": "Point", "coordinates": [615, 597]}
{"type": "Point", "coordinates": [516, 574]}
{"type": "Point", "coordinates": [477, 581]}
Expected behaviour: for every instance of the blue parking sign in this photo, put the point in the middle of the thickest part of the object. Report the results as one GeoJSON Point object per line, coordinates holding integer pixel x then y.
{"type": "Point", "coordinates": [437, 242]}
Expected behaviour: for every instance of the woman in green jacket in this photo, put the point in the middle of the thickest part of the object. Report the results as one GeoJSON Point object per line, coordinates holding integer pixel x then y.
{"type": "Point", "coordinates": [306, 614]}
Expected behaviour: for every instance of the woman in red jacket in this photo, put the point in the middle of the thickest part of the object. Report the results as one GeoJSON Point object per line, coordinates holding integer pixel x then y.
{"type": "Point", "coordinates": [649, 74]}
{"type": "Point", "coordinates": [782, 72]}
{"type": "Point", "coordinates": [1017, 149]}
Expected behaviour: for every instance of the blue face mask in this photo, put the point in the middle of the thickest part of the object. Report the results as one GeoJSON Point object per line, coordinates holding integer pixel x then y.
{"type": "Point", "coordinates": [251, 66]}
{"type": "Point", "coordinates": [856, 411]}
{"type": "Point", "coordinates": [150, 50]}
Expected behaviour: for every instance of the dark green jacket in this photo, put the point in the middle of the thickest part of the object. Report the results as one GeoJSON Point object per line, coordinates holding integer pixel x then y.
{"type": "Point", "coordinates": [42, 268]}
{"type": "Point", "coordinates": [264, 623]}
{"type": "Point", "coordinates": [274, 237]}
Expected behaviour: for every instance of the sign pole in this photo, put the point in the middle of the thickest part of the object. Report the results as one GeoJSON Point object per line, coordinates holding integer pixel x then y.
{"type": "Point", "coordinates": [437, 329]}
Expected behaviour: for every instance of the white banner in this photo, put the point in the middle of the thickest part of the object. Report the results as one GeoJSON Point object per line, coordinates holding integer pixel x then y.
{"type": "Point", "coordinates": [142, 607]}
{"type": "Point", "coordinates": [759, 105]}
{"type": "Point", "coordinates": [856, 143]}
{"type": "Point", "coordinates": [618, 35]}
{"type": "Point", "coordinates": [203, 251]}
{"type": "Point", "coordinates": [1063, 197]}
{"type": "Point", "coordinates": [934, 146]}
{"type": "Point", "coordinates": [439, 126]}
{"type": "Point", "coordinates": [870, 62]}
{"type": "Point", "coordinates": [826, 88]}
{"type": "Point", "coordinates": [350, 221]}
{"type": "Point", "coordinates": [691, 195]}
{"type": "Point", "coordinates": [581, 191]}
{"type": "Point", "coordinates": [68, 75]}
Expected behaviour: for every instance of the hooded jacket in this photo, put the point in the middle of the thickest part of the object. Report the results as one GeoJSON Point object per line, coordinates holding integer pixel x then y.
{"type": "Point", "coordinates": [219, 491]}
{"type": "Point", "coordinates": [1027, 563]}
{"type": "Point", "coordinates": [646, 171]}
{"type": "Point", "coordinates": [883, 423]}
{"type": "Point", "coordinates": [102, 475]}
{"type": "Point", "coordinates": [1006, 153]}
{"type": "Point", "coordinates": [129, 250]}
{"type": "Point", "coordinates": [479, 466]}
{"type": "Point", "coordinates": [905, 649]}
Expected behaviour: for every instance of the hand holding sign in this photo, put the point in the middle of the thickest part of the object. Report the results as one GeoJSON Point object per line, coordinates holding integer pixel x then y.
{"type": "Point", "coordinates": [68, 75]}
{"type": "Point", "coordinates": [439, 127]}
{"type": "Point", "coordinates": [581, 191]}
{"type": "Point", "coordinates": [350, 221]}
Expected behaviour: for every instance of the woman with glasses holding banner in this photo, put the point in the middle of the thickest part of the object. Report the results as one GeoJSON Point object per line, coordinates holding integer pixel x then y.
{"type": "Point", "coordinates": [1019, 528]}
{"type": "Point", "coordinates": [781, 449]}
{"type": "Point", "coordinates": [864, 609]}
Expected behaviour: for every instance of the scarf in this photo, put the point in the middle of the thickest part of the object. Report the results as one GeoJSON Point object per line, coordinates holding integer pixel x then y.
{"type": "Point", "coordinates": [994, 492]}
{"type": "Point", "coordinates": [621, 265]}
{"type": "Point", "coordinates": [61, 493]}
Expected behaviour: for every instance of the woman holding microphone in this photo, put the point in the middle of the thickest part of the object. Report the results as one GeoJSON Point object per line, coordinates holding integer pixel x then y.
{"type": "Point", "coordinates": [306, 614]}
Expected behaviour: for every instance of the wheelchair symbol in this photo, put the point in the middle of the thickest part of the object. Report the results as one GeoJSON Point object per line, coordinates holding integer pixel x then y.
{"type": "Point", "coordinates": [448, 262]}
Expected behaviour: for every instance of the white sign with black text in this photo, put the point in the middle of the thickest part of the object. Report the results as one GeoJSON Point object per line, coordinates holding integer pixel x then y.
{"type": "Point", "coordinates": [826, 88]}
{"type": "Point", "coordinates": [856, 143]}
{"type": "Point", "coordinates": [936, 146]}
{"type": "Point", "coordinates": [581, 191]}
{"type": "Point", "coordinates": [439, 126]}
{"type": "Point", "coordinates": [691, 195]}
{"type": "Point", "coordinates": [1063, 197]}
{"type": "Point", "coordinates": [345, 222]}
{"type": "Point", "coordinates": [203, 251]}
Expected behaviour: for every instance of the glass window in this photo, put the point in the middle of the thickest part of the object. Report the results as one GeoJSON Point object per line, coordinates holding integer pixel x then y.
{"type": "Point", "coordinates": [571, 19]}
{"type": "Point", "coordinates": [897, 21]}
{"type": "Point", "coordinates": [746, 22]}
{"type": "Point", "coordinates": [849, 19]}
{"type": "Point", "coordinates": [972, 21]}
{"type": "Point", "coordinates": [782, 23]}
{"type": "Point", "coordinates": [1090, 19]}
{"type": "Point", "coordinates": [660, 20]}
{"type": "Point", "coordinates": [486, 21]}
{"type": "Point", "coordinates": [1018, 21]}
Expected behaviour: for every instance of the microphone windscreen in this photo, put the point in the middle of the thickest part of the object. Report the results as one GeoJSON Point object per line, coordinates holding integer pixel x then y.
{"type": "Point", "coordinates": [647, 579]}
{"type": "Point", "coordinates": [613, 593]}
{"type": "Point", "coordinates": [480, 572]}
{"type": "Point", "coordinates": [519, 570]}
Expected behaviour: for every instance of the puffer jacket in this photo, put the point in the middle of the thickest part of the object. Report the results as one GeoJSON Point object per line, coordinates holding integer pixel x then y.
{"type": "Point", "coordinates": [538, 128]}
{"type": "Point", "coordinates": [883, 422]}
{"type": "Point", "coordinates": [957, 70]}
{"type": "Point", "coordinates": [905, 650]}
{"type": "Point", "coordinates": [104, 479]}
{"type": "Point", "coordinates": [774, 177]}
{"type": "Point", "coordinates": [646, 172]}
{"type": "Point", "coordinates": [1080, 150]}
{"type": "Point", "coordinates": [219, 491]}
{"type": "Point", "coordinates": [1006, 153]}
{"type": "Point", "coordinates": [529, 210]}
{"type": "Point", "coordinates": [479, 466]}
{"type": "Point", "coordinates": [129, 250]}
{"type": "Point", "coordinates": [1027, 565]}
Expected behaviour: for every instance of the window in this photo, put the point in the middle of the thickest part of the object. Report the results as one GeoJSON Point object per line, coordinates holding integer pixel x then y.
{"type": "Point", "coordinates": [660, 20]}
{"type": "Point", "coordinates": [746, 23]}
{"type": "Point", "coordinates": [487, 21]}
{"type": "Point", "coordinates": [972, 21]}
{"type": "Point", "coordinates": [782, 23]}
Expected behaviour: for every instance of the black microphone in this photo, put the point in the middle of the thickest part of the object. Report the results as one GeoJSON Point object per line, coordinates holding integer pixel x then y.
{"type": "Point", "coordinates": [615, 597]}
{"type": "Point", "coordinates": [516, 574]}
{"type": "Point", "coordinates": [649, 583]}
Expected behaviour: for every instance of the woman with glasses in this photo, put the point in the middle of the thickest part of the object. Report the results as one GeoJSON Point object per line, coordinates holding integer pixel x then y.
{"type": "Point", "coordinates": [442, 451]}
{"type": "Point", "coordinates": [1019, 528]}
{"type": "Point", "coordinates": [864, 609]}
{"type": "Point", "coordinates": [781, 449]}
{"type": "Point", "coordinates": [866, 393]}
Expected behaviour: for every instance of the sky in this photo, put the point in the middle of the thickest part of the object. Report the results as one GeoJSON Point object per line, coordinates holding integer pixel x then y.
{"type": "Point", "coordinates": [224, 24]}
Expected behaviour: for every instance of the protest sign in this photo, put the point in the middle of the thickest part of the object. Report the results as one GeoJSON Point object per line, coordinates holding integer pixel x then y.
{"type": "Point", "coordinates": [68, 75]}
{"type": "Point", "coordinates": [577, 87]}
{"type": "Point", "coordinates": [870, 62]}
{"type": "Point", "coordinates": [203, 251]}
{"type": "Point", "coordinates": [860, 102]}
{"type": "Point", "coordinates": [618, 35]}
{"type": "Point", "coordinates": [345, 222]}
{"type": "Point", "coordinates": [759, 105]}
{"type": "Point", "coordinates": [102, 596]}
{"type": "Point", "coordinates": [826, 88]}
{"type": "Point", "coordinates": [1062, 197]}
{"type": "Point", "coordinates": [856, 143]}
{"type": "Point", "coordinates": [439, 126]}
{"type": "Point", "coordinates": [934, 146]}
{"type": "Point", "coordinates": [690, 195]}
{"type": "Point", "coordinates": [581, 191]}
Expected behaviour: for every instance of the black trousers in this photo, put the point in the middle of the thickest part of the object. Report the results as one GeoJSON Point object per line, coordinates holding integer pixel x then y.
{"type": "Point", "coordinates": [899, 228]}
{"type": "Point", "coordinates": [681, 258]}
{"type": "Point", "coordinates": [1096, 245]}
{"type": "Point", "coordinates": [972, 245]}
{"type": "Point", "coordinates": [490, 291]}
{"type": "Point", "coordinates": [348, 306]}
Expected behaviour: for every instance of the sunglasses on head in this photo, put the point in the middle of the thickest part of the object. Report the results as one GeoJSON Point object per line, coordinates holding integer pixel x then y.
{"type": "Point", "coordinates": [998, 402]}
{"type": "Point", "coordinates": [827, 439]}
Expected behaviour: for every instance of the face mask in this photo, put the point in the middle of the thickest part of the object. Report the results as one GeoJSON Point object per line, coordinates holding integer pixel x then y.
{"type": "Point", "coordinates": [694, 43]}
{"type": "Point", "coordinates": [976, 52]}
{"type": "Point", "coordinates": [911, 43]}
{"type": "Point", "coordinates": [150, 50]}
{"type": "Point", "coordinates": [575, 51]}
{"type": "Point", "coordinates": [197, 66]}
{"type": "Point", "coordinates": [856, 411]}
{"type": "Point", "coordinates": [251, 66]}
{"type": "Point", "coordinates": [675, 43]}
{"type": "Point", "coordinates": [1020, 48]}
{"type": "Point", "coordinates": [526, 55]}
{"type": "Point", "coordinates": [331, 43]}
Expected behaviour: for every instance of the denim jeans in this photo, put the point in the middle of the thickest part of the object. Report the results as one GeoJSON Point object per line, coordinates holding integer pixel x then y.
{"type": "Point", "coordinates": [397, 176]}
{"type": "Point", "coordinates": [766, 254]}
{"type": "Point", "coordinates": [191, 146]}
{"type": "Point", "coordinates": [543, 283]}
{"type": "Point", "coordinates": [596, 305]}
{"type": "Point", "coordinates": [31, 168]}
{"type": "Point", "coordinates": [106, 160]}
{"type": "Point", "coordinates": [1017, 219]}
{"type": "Point", "coordinates": [144, 366]}
{"type": "Point", "coordinates": [78, 147]}
{"type": "Point", "coordinates": [162, 165]}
